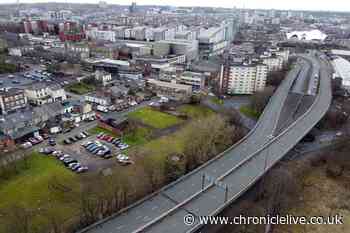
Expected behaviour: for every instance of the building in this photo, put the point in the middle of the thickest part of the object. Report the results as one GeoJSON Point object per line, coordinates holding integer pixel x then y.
{"type": "Point", "coordinates": [98, 99]}
{"type": "Point", "coordinates": [342, 70]}
{"type": "Point", "coordinates": [274, 63]}
{"type": "Point", "coordinates": [242, 78]}
{"type": "Point", "coordinates": [19, 51]}
{"type": "Point", "coordinates": [12, 100]}
{"type": "Point", "coordinates": [176, 47]}
{"type": "Point", "coordinates": [41, 93]}
{"type": "Point", "coordinates": [103, 77]}
{"type": "Point", "coordinates": [170, 90]}
{"type": "Point", "coordinates": [313, 35]}
{"type": "Point", "coordinates": [193, 79]}
{"type": "Point", "coordinates": [103, 35]}
{"type": "Point", "coordinates": [214, 40]}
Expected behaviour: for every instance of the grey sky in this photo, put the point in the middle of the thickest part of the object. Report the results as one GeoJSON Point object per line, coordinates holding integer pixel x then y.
{"type": "Point", "coordinates": [339, 5]}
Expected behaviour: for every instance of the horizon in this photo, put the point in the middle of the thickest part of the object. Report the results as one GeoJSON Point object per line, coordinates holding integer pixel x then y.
{"type": "Point", "coordinates": [240, 4]}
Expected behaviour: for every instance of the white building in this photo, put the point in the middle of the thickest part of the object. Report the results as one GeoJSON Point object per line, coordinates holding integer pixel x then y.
{"type": "Point", "coordinates": [103, 77]}
{"type": "Point", "coordinates": [243, 78]}
{"type": "Point", "coordinates": [342, 70]}
{"type": "Point", "coordinates": [274, 63]}
{"type": "Point", "coordinates": [98, 99]}
{"type": "Point", "coordinates": [196, 80]}
{"type": "Point", "coordinates": [41, 93]}
{"type": "Point", "coordinates": [95, 34]}
{"type": "Point", "coordinates": [307, 35]}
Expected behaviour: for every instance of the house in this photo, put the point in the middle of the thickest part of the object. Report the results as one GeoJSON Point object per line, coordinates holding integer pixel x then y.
{"type": "Point", "coordinates": [170, 90]}
{"type": "Point", "coordinates": [99, 99]}
{"type": "Point", "coordinates": [42, 93]}
{"type": "Point", "coordinates": [104, 77]}
{"type": "Point", "coordinates": [11, 100]}
{"type": "Point", "coordinates": [19, 124]}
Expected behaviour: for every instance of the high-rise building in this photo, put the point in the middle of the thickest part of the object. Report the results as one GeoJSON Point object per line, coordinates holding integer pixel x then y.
{"type": "Point", "coordinates": [242, 78]}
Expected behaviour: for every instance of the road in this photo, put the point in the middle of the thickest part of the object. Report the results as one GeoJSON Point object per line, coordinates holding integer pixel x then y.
{"type": "Point", "coordinates": [143, 213]}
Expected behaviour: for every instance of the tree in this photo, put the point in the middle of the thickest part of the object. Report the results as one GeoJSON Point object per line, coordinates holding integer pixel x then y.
{"type": "Point", "coordinates": [260, 99]}
{"type": "Point", "coordinates": [206, 138]}
{"type": "Point", "coordinates": [19, 219]}
{"type": "Point", "coordinates": [153, 167]}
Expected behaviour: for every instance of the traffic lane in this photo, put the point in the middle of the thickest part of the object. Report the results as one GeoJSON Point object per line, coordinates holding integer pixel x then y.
{"type": "Point", "coordinates": [192, 184]}
{"type": "Point", "coordinates": [144, 212]}
{"type": "Point", "coordinates": [302, 82]}
{"type": "Point", "coordinates": [193, 180]}
{"type": "Point", "coordinates": [256, 166]}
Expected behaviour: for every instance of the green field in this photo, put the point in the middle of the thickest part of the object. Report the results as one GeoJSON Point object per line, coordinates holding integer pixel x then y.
{"type": "Point", "coordinates": [80, 88]}
{"type": "Point", "coordinates": [97, 130]}
{"type": "Point", "coordinates": [41, 186]}
{"type": "Point", "coordinates": [195, 111]}
{"type": "Point", "coordinates": [249, 112]}
{"type": "Point", "coordinates": [216, 100]}
{"type": "Point", "coordinates": [154, 118]}
{"type": "Point", "coordinates": [137, 137]}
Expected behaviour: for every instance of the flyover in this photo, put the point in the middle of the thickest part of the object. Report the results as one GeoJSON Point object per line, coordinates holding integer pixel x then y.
{"type": "Point", "coordinates": [201, 192]}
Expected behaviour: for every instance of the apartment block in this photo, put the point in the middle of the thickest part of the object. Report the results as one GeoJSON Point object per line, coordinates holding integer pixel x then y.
{"type": "Point", "coordinates": [11, 100]}
{"type": "Point", "coordinates": [242, 78]}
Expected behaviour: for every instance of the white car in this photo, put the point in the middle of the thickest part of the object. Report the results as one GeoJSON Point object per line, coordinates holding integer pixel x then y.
{"type": "Point", "coordinates": [26, 145]}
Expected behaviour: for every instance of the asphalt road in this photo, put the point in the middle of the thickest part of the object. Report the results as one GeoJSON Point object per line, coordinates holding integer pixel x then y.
{"type": "Point", "coordinates": [135, 218]}
{"type": "Point", "coordinates": [212, 200]}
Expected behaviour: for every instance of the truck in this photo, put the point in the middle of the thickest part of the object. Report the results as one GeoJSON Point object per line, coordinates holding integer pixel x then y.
{"type": "Point", "coordinates": [102, 108]}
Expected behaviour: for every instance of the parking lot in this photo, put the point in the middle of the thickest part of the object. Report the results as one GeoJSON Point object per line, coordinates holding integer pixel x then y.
{"type": "Point", "coordinates": [94, 161]}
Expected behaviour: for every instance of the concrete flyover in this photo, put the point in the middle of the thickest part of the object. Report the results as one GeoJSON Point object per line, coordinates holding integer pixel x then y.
{"type": "Point", "coordinates": [236, 169]}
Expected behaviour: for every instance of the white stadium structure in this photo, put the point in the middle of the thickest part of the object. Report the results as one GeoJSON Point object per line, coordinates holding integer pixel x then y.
{"type": "Point", "coordinates": [307, 35]}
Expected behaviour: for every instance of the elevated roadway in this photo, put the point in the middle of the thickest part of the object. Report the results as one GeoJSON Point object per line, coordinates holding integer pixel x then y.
{"type": "Point", "coordinates": [236, 169]}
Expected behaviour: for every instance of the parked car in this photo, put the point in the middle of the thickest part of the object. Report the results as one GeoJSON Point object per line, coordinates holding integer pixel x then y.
{"type": "Point", "coordinates": [52, 142]}
{"type": "Point", "coordinates": [67, 141]}
{"type": "Point", "coordinates": [82, 169]}
{"type": "Point", "coordinates": [63, 157]}
{"type": "Point", "coordinates": [57, 153]}
{"type": "Point", "coordinates": [26, 145]}
{"type": "Point", "coordinates": [46, 150]}
{"type": "Point", "coordinates": [69, 161]}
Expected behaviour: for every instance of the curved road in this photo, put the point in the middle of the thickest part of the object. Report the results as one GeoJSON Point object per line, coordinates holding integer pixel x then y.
{"type": "Point", "coordinates": [164, 210]}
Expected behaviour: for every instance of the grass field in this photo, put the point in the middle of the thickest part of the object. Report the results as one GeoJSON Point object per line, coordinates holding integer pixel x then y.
{"type": "Point", "coordinates": [137, 137]}
{"type": "Point", "coordinates": [155, 118]}
{"type": "Point", "coordinates": [216, 100]}
{"type": "Point", "coordinates": [80, 88]}
{"type": "Point", "coordinates": [249, 112]}
{"type": "Point", "coordinates": [43, 179]}
{"type": "Point", "coordinates": [196, 111]}
{"type": "Point", "coordinates": [97, 130]}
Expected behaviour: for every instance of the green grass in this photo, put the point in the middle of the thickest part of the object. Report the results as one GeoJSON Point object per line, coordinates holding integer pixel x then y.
{"type": "Point", "coordinates": [97, 130]}
{"type": "Point", "coordinates": [80, 88]}
{"type": "Point", "coordinates": [154, 118]}
{"type": "Point", "coordinates": [36, 186]}
{"type": "Point", "coordinates": [216, 100]}
{"type": "Point", "coordinates": [249, 112]}
{"type": "Point", "coordinates": [138, 136]}
{"type": "Point", "coordinates": [196, 111]}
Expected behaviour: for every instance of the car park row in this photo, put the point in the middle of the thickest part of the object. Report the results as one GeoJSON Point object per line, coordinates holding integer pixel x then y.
{"type": "Point", "coordinates": [71, 163]}
{"type": "Point", "coordinates": [76, 138]}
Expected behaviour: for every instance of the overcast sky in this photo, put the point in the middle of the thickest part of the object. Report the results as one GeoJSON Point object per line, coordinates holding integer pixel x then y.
{"type": "Point", "coordinates": [326, 5]}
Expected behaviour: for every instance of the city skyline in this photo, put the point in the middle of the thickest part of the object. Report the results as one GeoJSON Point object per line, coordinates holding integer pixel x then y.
{"type": "Point", "coordinates": [313, 5]}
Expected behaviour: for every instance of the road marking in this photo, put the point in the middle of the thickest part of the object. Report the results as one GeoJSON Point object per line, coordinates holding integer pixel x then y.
{"type": "Point", "coordinates": [154, 207]}
{"type": "Point", "coordinates": [120, 227]}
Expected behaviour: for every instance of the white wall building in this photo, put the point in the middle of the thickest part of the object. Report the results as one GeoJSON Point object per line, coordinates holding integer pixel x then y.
{"type": "Point", "coordinates": [342, 70]}
{"type": "Point", "coordinates": [242, 78]}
